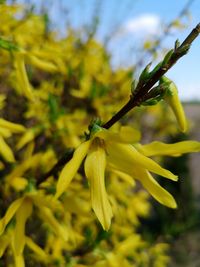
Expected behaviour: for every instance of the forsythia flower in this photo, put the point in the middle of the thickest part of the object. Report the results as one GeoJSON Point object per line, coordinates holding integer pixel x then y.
{"type": "Point", "coordinates": [7, 241]}
{"type": "Point", "coordinates": [112, 150]}
{"type": "Point", "coordinates": [173, 101]}
{"type": "Point", "coordinates": [21, 76]}
{"type": "Point", "coordinates": [22, 210]}
{"type": "Point", "coordinates": [6, 129]}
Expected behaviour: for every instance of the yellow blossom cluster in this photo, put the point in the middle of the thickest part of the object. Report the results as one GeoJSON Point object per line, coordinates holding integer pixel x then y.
{"type": "Point", "coordinates": [81, 215]}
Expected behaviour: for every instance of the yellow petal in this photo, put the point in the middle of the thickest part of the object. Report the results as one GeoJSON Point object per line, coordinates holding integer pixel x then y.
{"type": "Point", "coordinates": [179, 112]}
{"type": "Point", "coordinates": [19, 183]}
{"type": "Point", "coordinates": [41, 64]}
{"type": "Point", "coordinates": [95, 164]}
{"type": "Point", "coordinates": [4, 132]}
{"type": "Point", "coordinates": [45, 200]}
{"type": "Point", "coordinates": [4, 241]}
{"type": "Point", "coordinates": [13, 127]}
{"type": "Point", "coordinates": [22, 215]}
{"type": "Point", "coordinates": [125, 135]}
{"type": "Point", "coordinates": [173, 100]}
{"type": "Point", "coordinates": [6, 151]}
{"type": "Point", "coordinates": [22, 77]}
{"type": "Point", "coordinates": [126, 177]}
{"type": "Point", "coordinates": [70, 169]}
{"type": "Point", "coordinates": [49, 218]}
{"type": "Point", "coordinates": [19, 170]}
{"type": "Point", "coordinates": [130, 134]}
{"type": "Point", "coordinates": [150, 184]}
{"type": "Point", "coordinates": [158, 148]}
{"type": "Point", "coordinates": [28, 136]}
{"type": "Point", "coordinates": [129, 244]}
{"type": "Point", "coordinates": [10, 213]}
{"type": "Point", "coordinates": [36, 249]}
{"type": "Point", "coordinates": [127, 157]}
{"type": "Point", "coordinates": [19, 260]}
{"type": "Point", "coordinates": [75, 204]}
{"type": "Point", "coordinates": [159, 193]}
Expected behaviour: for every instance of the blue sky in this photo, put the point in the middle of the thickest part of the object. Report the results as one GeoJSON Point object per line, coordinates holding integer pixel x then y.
{"type": "Point", "coordinates": [130, 22]}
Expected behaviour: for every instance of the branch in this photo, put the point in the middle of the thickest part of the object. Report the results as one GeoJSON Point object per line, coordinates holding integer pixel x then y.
{"type": "Point", "coordinates": [143, 88]}
{"type": "Point", "coordinates": [166, 32]}
{"type": "Point", "coordinates": [56, 168]}
{"type": "Point", "coordinates": [139, 94]}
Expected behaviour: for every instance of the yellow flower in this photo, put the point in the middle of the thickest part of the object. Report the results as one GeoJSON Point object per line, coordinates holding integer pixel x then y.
{"type": "Point", "coordinates": [160, 149]}
{"type": "Point", "coordinates": [7, 241]}
{"type": "Point", "coordinates": [107, 149]}
{"type": "Point", "coordinates": [21, 76]}
{"type": "Point", "coordinates": [173, 101]}
{"type": "Point", "coordinates": [13, 127]}
{"type": "Point", "coordinates": [6, 129]}
{"type": "Point", "coordinates": [22, 210]}
{"type": "Point", "coordinates": [41, 64]}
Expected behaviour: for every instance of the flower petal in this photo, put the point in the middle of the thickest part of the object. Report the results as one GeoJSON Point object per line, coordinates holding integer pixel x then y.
{"type": "Point", "coordinates": [19, 260]}
{"type": "Point", "coordinates": [45, 200]}
{"type": "Point", "coordinates": [10, 213]}
{"type": "Point", "coordinates": [131, 135]}
{"type": "Point", "coordinates": [22, 215]}
{"type": "Point", "coordinates": [126, 134]}
{"type": "Point", "coordinates": [27, 137]}
{"type": "Point", "coordinates": [151, 185]}
{"type": "Point", "coordinates": [158, 148]}
{"type": "Point", "coordinates": [49, 218]}
{"type": "Point", "coordinates": [6, 151]}
{"type": "Point", "coordinates": [41, 64]}
{"type": "Point", "coordinates": [127, 157]}
{"type": "Point", "coordinates": [159, 193]}
{"type": "Point", "coordinates": [173, 100]}
{"type": "Point", "coordinates": [4, 241]}
{"type": "Point", "coordinates": [35, 248]}
{"type": "Point", "coordinates": [22, 77]}
{"type": "Point", "coordinates": [70, 169]}
{"type": "Point", "coordinates": [95, 164]}
{"type": "Point", "coordinates": [13, 127]}
{"type": "Point", "coordinates": [124, 176]}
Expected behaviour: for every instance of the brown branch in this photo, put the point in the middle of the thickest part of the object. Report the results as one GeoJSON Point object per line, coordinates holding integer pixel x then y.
{"type": "Point", "coordinates": [145, 87]}
{"type": "Point", "coordinates": [166, 32]}
{"type": "Point", "coordinates": [141, 90]}
{"type": "Point", "coordinates": [56, 168]}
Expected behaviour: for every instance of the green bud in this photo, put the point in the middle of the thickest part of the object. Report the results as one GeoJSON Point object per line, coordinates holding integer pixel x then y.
{"type": "Point", "coordinates": [176, 45]}
{"type": "Point", "coordinates": [150, 102]}
{"type": "Point", "coordinates": [94, 127]}
{"type": "Point", "coordinates": [145, 73]}
{"type": "Point", "coordinates": [167, 57]}
{"type": "Point", "coordinates": [157, 67]}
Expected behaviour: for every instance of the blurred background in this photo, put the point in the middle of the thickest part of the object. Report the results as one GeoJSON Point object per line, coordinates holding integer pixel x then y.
{"type": "Point", "coordinates": [134, 33]}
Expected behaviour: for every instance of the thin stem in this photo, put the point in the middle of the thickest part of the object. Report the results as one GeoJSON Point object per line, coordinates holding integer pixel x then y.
{"type": "Point", "coordinates": [154, 79]}
{"type": "Point", "coordinates": [55, 169]}
{"type": "Point", "coordinates": [141, 90]}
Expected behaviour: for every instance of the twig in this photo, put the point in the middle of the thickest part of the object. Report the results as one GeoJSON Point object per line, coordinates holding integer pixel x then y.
{"type": "Point", "coordinates": [154, 79]}
{"type": "Point", "coordinates": [141, 90]}
{"type": "Point", "coordinates": [166, 32]}
{"type": "Point", "coordinates": [65, 158]}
